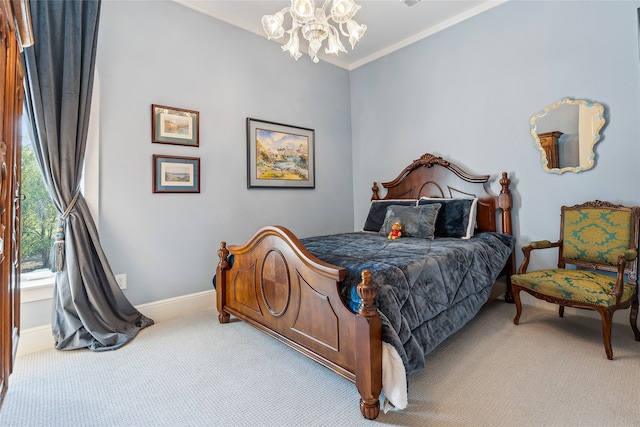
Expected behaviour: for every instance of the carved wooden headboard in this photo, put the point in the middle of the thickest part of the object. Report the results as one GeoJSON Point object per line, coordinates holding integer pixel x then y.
{"type": "Point", "coordinates": [431, 176]}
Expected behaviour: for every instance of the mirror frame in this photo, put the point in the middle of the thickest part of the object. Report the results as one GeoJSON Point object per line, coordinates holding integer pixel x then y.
{"type": "Point", "coordinates": [596, 136]}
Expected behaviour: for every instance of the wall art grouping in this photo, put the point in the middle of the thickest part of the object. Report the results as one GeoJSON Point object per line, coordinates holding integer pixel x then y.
{"type": "Point", "coordinates": [175, 126]}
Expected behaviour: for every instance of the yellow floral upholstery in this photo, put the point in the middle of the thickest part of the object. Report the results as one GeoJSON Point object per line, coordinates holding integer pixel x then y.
{"type": "Point", "coordinates": [596, 235]}
{"type": "Point", "coordinates": [576, 285]}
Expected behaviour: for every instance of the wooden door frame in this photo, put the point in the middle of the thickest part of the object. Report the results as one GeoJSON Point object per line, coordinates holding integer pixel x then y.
{"type": "Point", "coordinates": [15, 33]}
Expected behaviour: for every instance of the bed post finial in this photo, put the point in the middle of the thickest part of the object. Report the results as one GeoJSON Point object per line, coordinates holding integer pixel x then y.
{"type": "Point", "coordinates": [375, 191]}
{"type": "Point", "coordinates": [504, 201]}
{"type": "Point", "coordinates": [367, 293]}
{"type": "Point", "coordinates": [223, 253]}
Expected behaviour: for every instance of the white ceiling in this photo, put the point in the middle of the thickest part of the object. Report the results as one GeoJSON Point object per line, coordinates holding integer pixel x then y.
{"type": "Point", "coordinates": [391, 24]}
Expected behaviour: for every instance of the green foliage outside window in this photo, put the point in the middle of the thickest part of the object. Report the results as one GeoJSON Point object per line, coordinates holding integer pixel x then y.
{"type": "Point", "coordinates": [38, 217]}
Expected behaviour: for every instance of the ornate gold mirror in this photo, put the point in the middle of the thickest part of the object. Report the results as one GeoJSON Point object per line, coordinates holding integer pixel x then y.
{"type": "Point", "coordinates": [566, 134]}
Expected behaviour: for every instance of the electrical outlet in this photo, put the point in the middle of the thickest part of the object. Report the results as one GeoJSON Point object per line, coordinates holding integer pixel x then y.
{"type": "Point", "coordinates": [122, 280]}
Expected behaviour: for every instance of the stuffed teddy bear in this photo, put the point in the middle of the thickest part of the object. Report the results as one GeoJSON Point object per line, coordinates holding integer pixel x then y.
{"type": "Point", "coordinates": [396, 231]}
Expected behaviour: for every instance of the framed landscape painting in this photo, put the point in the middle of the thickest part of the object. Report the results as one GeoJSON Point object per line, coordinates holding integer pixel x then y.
{"type": "Point", "coordinates": [175, 126]}
{"type": "Point", "coordinates": [174, 174]}
{"type": "Point", "coordinates": [279, 155]}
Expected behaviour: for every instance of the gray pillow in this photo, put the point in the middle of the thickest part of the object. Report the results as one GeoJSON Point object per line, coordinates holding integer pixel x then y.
{"type": "Point", "coordinates": [416, 221]}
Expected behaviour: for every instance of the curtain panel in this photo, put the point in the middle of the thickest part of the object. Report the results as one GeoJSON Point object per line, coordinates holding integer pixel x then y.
{"type": "Point", "coordinates": [89, 308]}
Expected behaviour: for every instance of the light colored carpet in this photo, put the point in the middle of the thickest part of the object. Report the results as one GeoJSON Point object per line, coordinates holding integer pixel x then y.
{"type": "Point", "coordinates": [194, 371]}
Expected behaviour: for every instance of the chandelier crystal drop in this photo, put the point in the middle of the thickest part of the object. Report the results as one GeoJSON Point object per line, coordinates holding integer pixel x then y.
{"type": "Point", "coordinates": [313, 24]}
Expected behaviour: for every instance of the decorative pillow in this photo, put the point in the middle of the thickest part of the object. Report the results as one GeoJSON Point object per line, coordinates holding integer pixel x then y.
{"type": "Point", "coordinates": [416, 221]}
{"type": "Point", "coordinates": [456, 218]}
{"type": "Point", "coordinates": [378, 210]}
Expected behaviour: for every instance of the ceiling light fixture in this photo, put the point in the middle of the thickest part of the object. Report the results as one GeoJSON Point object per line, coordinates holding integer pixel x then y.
{"type": "Point", "coordinates": [314, 24]}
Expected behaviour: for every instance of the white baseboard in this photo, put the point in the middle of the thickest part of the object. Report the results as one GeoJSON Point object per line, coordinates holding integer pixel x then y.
{"type": "Point", "coordinates": [174, 307]}
{"type": "Point", "coordinates": [40, 338]}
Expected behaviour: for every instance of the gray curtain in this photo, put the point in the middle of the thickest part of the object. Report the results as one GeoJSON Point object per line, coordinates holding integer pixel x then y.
{"type": "Point", "coordinates": [89, 309]}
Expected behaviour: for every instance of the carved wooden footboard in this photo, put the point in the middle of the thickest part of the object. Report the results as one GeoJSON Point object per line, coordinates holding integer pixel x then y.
{"type": "Point", "coordinates": [276, 285]}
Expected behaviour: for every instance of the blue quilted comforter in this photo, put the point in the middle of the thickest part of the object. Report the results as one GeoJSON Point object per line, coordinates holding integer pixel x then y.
{"type": "Point", "coordinates": [427, 289]}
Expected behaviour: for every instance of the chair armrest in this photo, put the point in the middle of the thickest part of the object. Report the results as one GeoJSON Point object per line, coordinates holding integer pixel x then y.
{"type": "Point", "coordinates": [630, 254]}
{"type": "Point", "coordinates": [623, 258]}
{"type": "Point", "coordinates": [538, 244]}
{"type": "Point", "coordinates": [622, 264]}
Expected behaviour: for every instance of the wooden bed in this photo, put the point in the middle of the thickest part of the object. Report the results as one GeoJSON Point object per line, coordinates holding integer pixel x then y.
{"type": "Point", "coordinates": [275, 284]}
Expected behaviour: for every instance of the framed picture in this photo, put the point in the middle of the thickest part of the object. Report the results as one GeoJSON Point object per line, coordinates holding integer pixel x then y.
{"type": "Point", "coordinates": [279, 155]}
{"type": "Point", "coordinates": [175, 126]}
{"type": "Point", "coordinates": [173, 174]}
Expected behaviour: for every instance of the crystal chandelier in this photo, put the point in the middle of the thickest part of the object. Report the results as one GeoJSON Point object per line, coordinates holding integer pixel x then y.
{"type": "Point", "coordinates": [315, 27]}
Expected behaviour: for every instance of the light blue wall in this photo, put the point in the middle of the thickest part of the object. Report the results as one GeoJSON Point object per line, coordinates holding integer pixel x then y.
{"type": "Point", "coordinates": [468, 93]}
{"type": "Point", "coordinates": [163, 53]}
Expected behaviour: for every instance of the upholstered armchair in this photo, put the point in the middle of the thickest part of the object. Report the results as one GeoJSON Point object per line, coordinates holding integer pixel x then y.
{"type": "Point", "coordinates": [597, 264]}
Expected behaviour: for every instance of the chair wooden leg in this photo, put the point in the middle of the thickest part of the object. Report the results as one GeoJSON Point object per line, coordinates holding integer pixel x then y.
{"type": "Point", "coordinates": [633, 318]}
{"type": "Point", "coordinates": [561, 311]}
{"type": "Point", "coordinates": [516, 299]}
{"type": "Point", "coordinates": [607, 323]}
